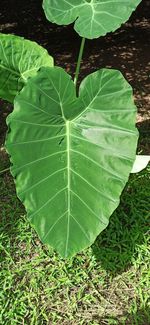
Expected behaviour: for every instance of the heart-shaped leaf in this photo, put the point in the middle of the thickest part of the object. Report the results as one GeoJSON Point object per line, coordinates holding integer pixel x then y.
{"type": "Point", "coordinates": [19, 59]}
{"type": "Point", "coordinates": [72, 156]}
{"type": "Point", "coordinates": [93, 18]}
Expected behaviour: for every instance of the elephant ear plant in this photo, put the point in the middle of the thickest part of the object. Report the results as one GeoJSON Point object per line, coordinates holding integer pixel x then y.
{"type": "Point", "coordinates": [71, 151]}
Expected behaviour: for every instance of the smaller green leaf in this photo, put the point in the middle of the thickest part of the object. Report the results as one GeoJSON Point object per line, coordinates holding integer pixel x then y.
{"type": "Point", "coordinates": [19, 59]}
{"type": "Point", "coordinates": [93, 18]}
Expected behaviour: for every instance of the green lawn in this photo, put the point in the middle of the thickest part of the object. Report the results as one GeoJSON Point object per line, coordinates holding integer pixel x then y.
{"type": "Point", "coordinates": [106, 284]}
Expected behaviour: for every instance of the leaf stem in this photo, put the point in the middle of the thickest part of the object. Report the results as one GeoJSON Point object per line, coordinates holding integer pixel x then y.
{"type": "Point", "coordinates": [4, 170]}
{"type": "Point", "coordinates": [79, 61]}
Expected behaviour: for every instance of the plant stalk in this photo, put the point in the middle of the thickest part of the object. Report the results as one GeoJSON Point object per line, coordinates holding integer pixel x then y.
{"type": "Point", "coordinates": [79, 61]}
{"type": "Point", "coordinates": [4, 170]}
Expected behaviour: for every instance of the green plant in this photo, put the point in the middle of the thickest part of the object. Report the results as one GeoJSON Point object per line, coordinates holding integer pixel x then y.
{"type": "Point", "coordinates": [71, 154]}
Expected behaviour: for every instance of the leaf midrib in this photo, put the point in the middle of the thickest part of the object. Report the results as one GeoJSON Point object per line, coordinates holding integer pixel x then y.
{"type": "Point", "coordinates": [68, 150]}
{"type": "Point", "coordinates": [68, 181]}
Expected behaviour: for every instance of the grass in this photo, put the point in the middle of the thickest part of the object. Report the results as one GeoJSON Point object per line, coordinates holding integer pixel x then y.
{"type": "Point", "coordinates": [106, 284]}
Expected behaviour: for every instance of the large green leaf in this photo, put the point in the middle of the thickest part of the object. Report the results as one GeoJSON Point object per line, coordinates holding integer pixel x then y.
{"type": "Point", "coordinates": [93, 18]}
{"type": "Point", "coordinates": [19, 59]}
{"type": "Point", "coordinates": [72, 156]}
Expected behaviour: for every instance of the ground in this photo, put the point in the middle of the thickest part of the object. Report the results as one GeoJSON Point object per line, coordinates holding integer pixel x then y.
{"type": "Point", "coordinates": [109, 282]}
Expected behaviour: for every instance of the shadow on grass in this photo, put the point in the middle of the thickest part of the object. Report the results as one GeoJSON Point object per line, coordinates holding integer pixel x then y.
{"type": "Point", "coordinates": [117, 246]}
{"type": "Point", "coordinates": [11, 209]}
{"type": "Point", "coordinates": [139, 317]}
